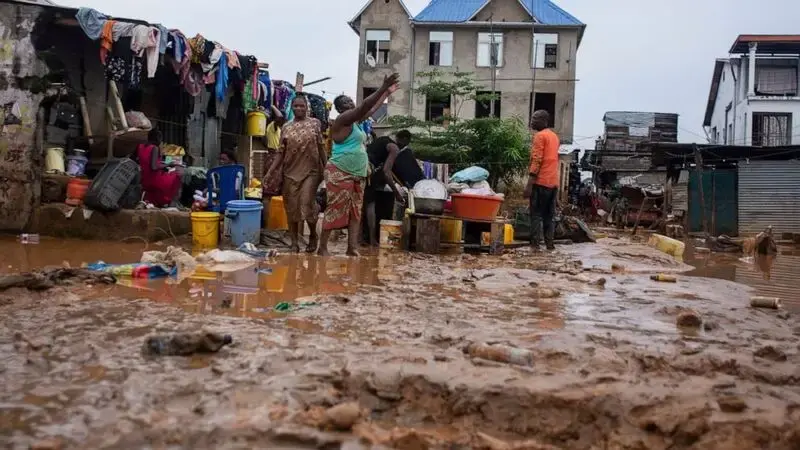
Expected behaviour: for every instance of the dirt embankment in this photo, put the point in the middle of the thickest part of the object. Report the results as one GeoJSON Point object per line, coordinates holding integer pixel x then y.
{"type": "Point", "coordinates": [611, 368]}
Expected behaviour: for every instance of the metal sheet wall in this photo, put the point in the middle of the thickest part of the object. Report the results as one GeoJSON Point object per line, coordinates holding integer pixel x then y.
{"type": "Point", "coordinates": [769, 194]}
{"type": "Point", "coordinates": [680, 192]}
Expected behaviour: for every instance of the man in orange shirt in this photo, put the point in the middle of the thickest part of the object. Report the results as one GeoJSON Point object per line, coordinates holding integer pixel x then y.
{"type": "Point", "coordinates": [542, 186]}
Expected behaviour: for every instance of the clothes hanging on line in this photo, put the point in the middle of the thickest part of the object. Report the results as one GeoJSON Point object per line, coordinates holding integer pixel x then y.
{"type": "Point", "coordinates": [435, 171]}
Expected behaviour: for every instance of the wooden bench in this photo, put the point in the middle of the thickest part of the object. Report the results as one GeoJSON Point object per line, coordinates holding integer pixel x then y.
{"type": "Point", "coordinates": [422, 232]}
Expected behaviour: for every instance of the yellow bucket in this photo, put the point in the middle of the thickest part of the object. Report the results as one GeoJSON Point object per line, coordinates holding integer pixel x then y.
{"type": "Point", "coordinates": [205, 229]}
{"type": "Point", "coordinates": [256, 123]}
{"type": "Point", "coordinates": [277, 215]}
{"type": "Point", "coordinates": [451, 230]}
{"type": "Point", "coordinates": [672, 247]}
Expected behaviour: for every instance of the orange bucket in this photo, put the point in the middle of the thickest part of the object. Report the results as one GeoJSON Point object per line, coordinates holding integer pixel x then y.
{"type": "Point", "coordinates": [76, 190]}
{"type": "Point", "coordinates": [476, 207]}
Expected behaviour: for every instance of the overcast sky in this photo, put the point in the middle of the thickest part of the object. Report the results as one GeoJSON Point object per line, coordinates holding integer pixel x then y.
{"type": "Point", "coordinates": [636, 55]}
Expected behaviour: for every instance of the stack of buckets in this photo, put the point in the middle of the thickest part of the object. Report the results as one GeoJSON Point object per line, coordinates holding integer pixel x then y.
{"type": "Point", "coordinates": [242, 220]}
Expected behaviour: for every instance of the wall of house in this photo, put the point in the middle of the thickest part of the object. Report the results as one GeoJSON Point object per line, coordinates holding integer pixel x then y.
{"type": "Point", "coordinates": [725, 96]}
{"type": "Point", "coordinates": [20, 95]}
{"type": "Point", "coordinates": [387, 15]}
{"type": "Point", "coordinates": [744, 107]}
{"type": "Point", "coordinates": [503, 11]}
{"type": "Point", "coordinates": [515, 78]}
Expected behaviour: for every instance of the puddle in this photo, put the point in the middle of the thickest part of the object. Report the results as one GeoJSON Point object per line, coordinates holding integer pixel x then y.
{"type": "Point", "coordinates": [769, 275]}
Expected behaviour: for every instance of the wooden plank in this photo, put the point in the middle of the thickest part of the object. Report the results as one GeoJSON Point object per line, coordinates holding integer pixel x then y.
{"type": "Point", "coordinates": [405, 240]}
{"type": "Point", "coordinates": [428, 235]}
{"type": "Point", "coordinates": [497, 246]}
{"type": "Point", "coordinates": [431, 216]}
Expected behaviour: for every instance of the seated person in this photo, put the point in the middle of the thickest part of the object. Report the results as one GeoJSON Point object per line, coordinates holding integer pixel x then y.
{"type": "Point", "coordinates": [227, 157]}
{"type": "Point", "coordinates": [161, 182]}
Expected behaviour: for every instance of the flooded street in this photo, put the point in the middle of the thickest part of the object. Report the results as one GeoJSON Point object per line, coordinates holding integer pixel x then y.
{"type": "Point", "coordinates": [388, 336]}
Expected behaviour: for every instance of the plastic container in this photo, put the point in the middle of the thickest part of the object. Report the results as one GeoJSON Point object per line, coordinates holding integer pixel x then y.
{"type": "Point", "coordinates": [391, 233]}
{"type": "Point", "coordinates": [54, 160]}
{"type": "Point", "coordinates": [508, 234]}
{"type": "Point", "coordinates": [111, 184]}
{"type": "Point", "coordinates": [76, 191]}
{"type": "Point", "coordinates": [277, 220]}
{"type": "Point", "coordinates": [244, 219]}
{"type": "Point", "coordinates": [670, 246]}
{"type": "Point", "coordinates": [451, 230]}
{"type": "Point", "coordinates": [205, 229]}
{"type": "Point", "coordinates": [256, 123]}
{"type": "Point", "coordinates": [502, 353]}
{"type": "Point", "coordinates": [76, 165]}
{"type": "Point", "coordinates": [476, 207]}
{"type": "Point", "coordinates": [224, 183]}
{"type": "Point", "coordinates": [765, 302]}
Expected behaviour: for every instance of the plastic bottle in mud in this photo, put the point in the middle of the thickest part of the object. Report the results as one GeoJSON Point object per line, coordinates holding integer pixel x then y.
{"type": "Point", "coordinates": [664, 278]}
{"type": "Point", "coordinates": [502, 353]}
{"type": "Point", "coordinates": [185, 344]}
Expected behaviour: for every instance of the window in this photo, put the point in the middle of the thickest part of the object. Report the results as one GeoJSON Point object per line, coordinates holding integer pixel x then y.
{"type": "Point", "coordinates": [714, 135]}
{"type": "Point", "coordinates": [545, 50]}
{"type": "Point", "coordinates": [776, 78]}
{"type": "Point", "coordinates": [436, 107]}
{"type": "Point", "coordinates": [772, 129]}
{"type": "Point", "coordinates": [547, 102]}
{"type": "Point", "coordinates": [483, 104]}
{"type": "Point", "coordinates": [490, 50]}
{"type": "Point", "coordinates": [378, 47]}
{"type": "Point", "coordinates": [440, 48]}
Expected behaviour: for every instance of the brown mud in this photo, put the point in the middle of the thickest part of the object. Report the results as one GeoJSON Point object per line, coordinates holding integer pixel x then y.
{"type": "Point", "coordinates": [379, 359]}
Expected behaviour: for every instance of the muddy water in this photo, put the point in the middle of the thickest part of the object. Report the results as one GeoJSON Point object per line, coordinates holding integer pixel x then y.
{"type": "Point", "coordinates": [769, 275]}
{"type": "Point", "coordinates": [611, 368]}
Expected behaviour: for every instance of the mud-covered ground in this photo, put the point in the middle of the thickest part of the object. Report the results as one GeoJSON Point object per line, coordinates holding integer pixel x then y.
{"type": "Point", "coordinates": [611, 368]}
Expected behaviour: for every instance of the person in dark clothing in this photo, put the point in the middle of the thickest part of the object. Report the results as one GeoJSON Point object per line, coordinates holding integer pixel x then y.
{"type": "Point", "coordinates": [382, 154]}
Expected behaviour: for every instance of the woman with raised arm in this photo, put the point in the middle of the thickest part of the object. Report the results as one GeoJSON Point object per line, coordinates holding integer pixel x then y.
{"type": "Point", "coordinates": [347, 169]}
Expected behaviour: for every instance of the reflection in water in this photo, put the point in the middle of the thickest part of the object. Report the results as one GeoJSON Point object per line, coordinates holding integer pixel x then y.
{"type": "Point", "coordinates": [770, 275]}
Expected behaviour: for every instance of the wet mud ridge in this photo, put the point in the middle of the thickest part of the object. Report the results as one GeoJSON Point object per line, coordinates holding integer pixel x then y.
{"type": "Point", "coordinates": [580, 356]}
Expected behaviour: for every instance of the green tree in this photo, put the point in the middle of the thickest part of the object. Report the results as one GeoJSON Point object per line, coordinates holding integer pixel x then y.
{"type": "Point", "coordinates": [499, 145]}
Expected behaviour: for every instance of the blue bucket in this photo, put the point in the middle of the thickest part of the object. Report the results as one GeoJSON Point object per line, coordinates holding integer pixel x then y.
{"type": "Point", "coordinates": [243, 219]}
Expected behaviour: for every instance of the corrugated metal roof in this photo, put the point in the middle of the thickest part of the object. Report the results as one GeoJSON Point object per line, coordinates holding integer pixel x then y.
{"type": "Point", "coordinates": [456, 11]}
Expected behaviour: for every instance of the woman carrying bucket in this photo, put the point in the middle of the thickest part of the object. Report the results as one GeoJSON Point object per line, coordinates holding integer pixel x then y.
{"type": "Point", "coordinates": [302, 158]}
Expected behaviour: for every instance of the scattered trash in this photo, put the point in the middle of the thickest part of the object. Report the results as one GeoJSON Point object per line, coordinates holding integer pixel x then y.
{"type": "Point", "coordinates": [501, 353]}
{"type": "Point", "coordinates": [251, 250]}
{"type": "Point", "coordinates": [172, 258]}
{"type": "Point", "coordinates": [217, 256]}
{"type": "Point", "coordinates": [48, 278]}
{"type": "Point", "coordinates": [689, 319]}
{"type": "Point", "coordinates": [26, 238]}
{"type": "Point", "coordinates": [343, 416]}
{"type": "Point", "coordinates": [133, 270]}
{"type": "Point", "coordinates": [765, 302]}
{"type": "Point", "coordinates": [264, 271]}
{"type": "Point", "coordinates": [664, 278]}
{"type": "Point", "coordinates": [185, 344]}
{"type": "Point", "coordinates": [289, 307]}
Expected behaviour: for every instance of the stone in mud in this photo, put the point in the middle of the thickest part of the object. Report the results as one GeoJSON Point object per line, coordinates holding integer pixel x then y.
{"type": "Point", "coordinates": [343, 416]}
{"type": "Point", "coordinates": [546, 293]}
{"type": "Point", "coordinates": [601, 282]}
{"type": "Point", "coordinates": [185, 344]}
{"type": "Point", "coordinates": [771, 353]}
{"type": "Point", "coordinates": [731, 404]}
{"type": "Point", "coordinates": [689, 319]}
{"type": "Point", "coordinates": [710, 325]}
